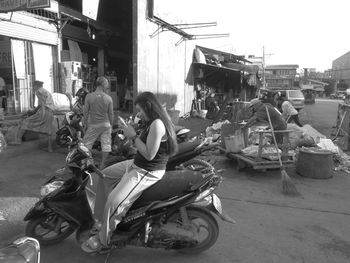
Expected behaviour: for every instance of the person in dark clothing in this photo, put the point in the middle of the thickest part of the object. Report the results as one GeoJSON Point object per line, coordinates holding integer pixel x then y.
{"type": "Point", "coordinates": [271, 98]}
{"type": "Point", "coordinates": [259, 114]}
{"type": "Point", "coordinates": [212, 106]}
{"type": "Point", "coordinates": [154, 145]}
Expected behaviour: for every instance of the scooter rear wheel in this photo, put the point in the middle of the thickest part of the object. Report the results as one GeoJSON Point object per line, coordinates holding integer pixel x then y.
{"type": "Point", "coordinates": [49, 229]}
{"type": "Point", "coordinates": [204, 226]}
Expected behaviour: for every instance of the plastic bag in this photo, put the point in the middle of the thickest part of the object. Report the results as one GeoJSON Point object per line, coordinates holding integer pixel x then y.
{"type": "Point", "coordinates": [327, 144]}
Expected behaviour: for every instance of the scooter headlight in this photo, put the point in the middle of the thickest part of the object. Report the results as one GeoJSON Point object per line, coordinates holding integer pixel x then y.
{"type": "Point", "coordinates": [50, 187]}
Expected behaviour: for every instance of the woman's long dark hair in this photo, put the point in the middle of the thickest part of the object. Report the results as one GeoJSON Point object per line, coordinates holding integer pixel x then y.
{"type": "Point", "coordinates": [154, 110]}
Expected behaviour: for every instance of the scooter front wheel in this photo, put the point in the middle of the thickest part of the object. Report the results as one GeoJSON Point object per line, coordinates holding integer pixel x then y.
{"type": "Point", "coordinates": [49, 229]}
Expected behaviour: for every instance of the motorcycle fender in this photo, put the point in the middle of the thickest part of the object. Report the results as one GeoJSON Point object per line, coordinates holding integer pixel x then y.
{"type": "Point", "coordinates": [213, 203]}
{"type": "Point", "coordinates": [37, 210]}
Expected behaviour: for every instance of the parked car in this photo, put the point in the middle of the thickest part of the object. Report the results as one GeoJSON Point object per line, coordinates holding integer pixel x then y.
{"type": "Point", "coordinates": [338, 95]}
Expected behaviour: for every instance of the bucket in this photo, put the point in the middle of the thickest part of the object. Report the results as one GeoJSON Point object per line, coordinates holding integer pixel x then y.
{"type": "Point", "coordinates": [234, 143]}
{"type": "Point", "coordinates": [313, 163]}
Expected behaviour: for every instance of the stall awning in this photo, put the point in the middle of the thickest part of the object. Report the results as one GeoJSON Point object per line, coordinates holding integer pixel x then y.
{"type": "Point", "coordinates": [229, 68]}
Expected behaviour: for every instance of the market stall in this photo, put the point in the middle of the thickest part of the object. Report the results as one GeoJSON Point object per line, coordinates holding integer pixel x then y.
{"type": "Point", "coordinates": [263, 156]}
{"type": "Point", "coordinates": [220, 80]}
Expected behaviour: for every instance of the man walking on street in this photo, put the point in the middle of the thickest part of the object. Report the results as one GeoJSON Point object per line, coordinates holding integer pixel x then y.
{"type": "Point", "coordinates": [98, 118]}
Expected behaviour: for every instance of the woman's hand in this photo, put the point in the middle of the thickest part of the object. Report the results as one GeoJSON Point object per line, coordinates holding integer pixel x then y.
{"type": "Point", "coordinates": [129, 131]}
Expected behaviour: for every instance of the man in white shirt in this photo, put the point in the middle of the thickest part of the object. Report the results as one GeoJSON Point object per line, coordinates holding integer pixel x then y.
{"type": "Point", "coordinates": [289, 113]}
{"type": "Point", "coordinates": [98, 118]}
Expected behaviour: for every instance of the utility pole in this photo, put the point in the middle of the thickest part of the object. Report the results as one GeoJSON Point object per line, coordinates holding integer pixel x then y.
{"type": "Point", "coordinates": [263, 66]}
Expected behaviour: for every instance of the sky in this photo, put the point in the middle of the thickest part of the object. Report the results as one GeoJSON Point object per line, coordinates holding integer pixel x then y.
{"type": "Point", "coordinates": [309, 33]}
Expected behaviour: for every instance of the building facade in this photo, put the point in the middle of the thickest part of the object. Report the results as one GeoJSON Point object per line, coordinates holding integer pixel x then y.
{"type": "Point", "coordinates": [280, 76]}
{"type": "Point", "coordinates": [28, 46]}
{"type": "Point", "coordinates": [341, 69]}
{"type": "Point", "coordinates": [129, 45]}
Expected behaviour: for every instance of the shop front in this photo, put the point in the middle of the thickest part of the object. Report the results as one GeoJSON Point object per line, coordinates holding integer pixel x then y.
{"type": "Point", "coordinates": [94, 56]}
{"type": "Point", "coordinates": [28, 52]}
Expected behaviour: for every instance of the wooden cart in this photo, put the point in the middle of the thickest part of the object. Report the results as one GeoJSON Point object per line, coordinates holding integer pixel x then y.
{"type": "Point", "coordinates": [262, 161]}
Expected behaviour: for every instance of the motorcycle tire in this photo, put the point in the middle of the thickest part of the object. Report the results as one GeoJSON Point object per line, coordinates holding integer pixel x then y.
{"type": "Point", "coordinates": [48, 223]}
{"type": "Point", "coordinates": [197, 165]}
{"type": "Point", "coordinates": [212, 228]}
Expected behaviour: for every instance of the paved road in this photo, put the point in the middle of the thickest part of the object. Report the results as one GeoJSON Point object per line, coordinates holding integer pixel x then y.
{"type": "Point", "coordinates": [321, 115]}
{"type": "Point", "coordinates": [270, 226]}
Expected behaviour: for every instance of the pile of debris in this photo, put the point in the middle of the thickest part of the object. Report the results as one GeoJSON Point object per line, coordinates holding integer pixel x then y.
{"type": "Point", "coordinates": [301, 137]}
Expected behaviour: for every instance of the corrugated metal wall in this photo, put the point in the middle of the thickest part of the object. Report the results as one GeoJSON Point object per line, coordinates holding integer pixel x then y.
{"type": "Point", "coordinates": [25, 26]}
{"type": "Point", "coordinates": [162, 67]}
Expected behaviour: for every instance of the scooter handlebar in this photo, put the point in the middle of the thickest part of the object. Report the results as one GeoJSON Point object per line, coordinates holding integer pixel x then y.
{"type": "Point", "coordinates": [97, 171]}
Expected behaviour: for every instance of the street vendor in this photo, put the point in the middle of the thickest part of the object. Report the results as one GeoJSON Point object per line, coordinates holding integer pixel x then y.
{"type": "Point", "coordinates": [40, 119]}
{"type": "Point", "coordinates": [259, 114]}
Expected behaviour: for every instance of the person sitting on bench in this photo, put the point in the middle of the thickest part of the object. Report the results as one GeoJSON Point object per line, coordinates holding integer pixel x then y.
{"type": "Point", "coordinates": [41, 118]}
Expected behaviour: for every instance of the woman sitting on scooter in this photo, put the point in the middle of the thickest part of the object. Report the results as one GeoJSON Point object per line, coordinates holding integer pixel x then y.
{"type": "Point", "coordinates": [155, 144]}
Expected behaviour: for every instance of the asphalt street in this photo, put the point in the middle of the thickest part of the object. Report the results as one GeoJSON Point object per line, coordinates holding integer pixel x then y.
{"type": "Point", "coordinates": [271, 227]}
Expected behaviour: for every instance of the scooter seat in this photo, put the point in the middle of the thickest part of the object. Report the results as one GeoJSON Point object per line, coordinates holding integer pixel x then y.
{"type": "Point", "coordinates": [173, 183]}
{"type": "Point", "coordinates": [188, 146]}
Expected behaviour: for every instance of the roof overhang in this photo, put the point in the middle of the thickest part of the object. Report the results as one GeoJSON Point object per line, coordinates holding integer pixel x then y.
{"type": "Point", "coordinates": [233, 70]}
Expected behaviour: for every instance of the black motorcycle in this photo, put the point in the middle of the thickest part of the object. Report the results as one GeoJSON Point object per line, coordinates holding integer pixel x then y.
{"type": "Point", "coordinates": [21, 250]}
{"type": "Point", "coordinates": [175, 213]}
{"type": "Point", "coordinates": [72, 128]}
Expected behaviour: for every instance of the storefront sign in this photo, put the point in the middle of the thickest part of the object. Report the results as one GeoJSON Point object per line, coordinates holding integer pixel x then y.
{"type": "Point", "coordinates": [17, 5]}
{"type": "Point", "coordinates": [90, 8]}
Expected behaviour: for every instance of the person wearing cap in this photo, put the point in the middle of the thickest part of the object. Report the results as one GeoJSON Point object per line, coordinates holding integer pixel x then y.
{"type": "Point", "coordinates": [41, 118]}
{"type": "Point", "coordinates": [259, 115]}
{"type": "Point", "coordinates": [98, 118]}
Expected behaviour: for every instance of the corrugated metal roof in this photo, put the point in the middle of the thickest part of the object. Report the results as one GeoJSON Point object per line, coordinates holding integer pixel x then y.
{"type": "Point", "coordinates": [228, 56]}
